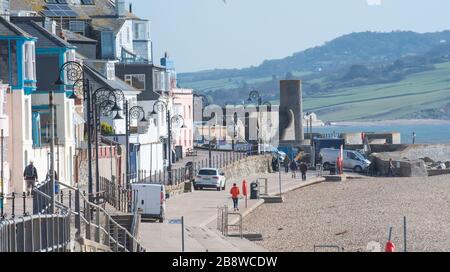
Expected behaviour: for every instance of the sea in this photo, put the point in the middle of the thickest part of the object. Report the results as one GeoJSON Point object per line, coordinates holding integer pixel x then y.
{"type": "Point", "coordinates": [435, 133]}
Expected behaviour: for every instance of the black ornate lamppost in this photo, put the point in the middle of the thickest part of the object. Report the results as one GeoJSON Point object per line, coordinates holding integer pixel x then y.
{"type": "Point", "coordinates": [255, 96]}
{"type": "Point", "coordinates": [105, 101]}
{"type": "Point", "coordinates": [161, 107]}
{"type": "Point", "coordinates": [74, 72]}
{"type": "Point", "coordinates": [131, 113]}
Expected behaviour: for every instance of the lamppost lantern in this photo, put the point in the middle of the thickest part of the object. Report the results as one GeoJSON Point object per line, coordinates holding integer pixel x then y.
{"type": "Point", "coordinates": [59, 82]}
{"type": "Point", "coordinates": [118, 116]}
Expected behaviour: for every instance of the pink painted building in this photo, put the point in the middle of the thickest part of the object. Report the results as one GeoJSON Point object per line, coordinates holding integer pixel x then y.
{"type": "Point", "coordinates": [4, 126]}
{"type": "Point", "coordinates": [183, 105]}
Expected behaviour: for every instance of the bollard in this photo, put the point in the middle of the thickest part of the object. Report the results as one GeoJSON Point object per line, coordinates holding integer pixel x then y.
{"type": "Point", "coordinates": [13, 200]}
{"type": "Point", "coordinates": [24, 198]}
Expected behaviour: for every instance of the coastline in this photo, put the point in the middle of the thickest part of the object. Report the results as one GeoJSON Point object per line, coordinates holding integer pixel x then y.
{"type": "Point", "coordinates": [391, 122]}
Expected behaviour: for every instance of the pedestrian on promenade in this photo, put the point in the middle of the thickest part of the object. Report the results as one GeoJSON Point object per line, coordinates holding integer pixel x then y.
{"type": "Point", "coordinates": [294, 168]}
{"type": "Point", "coordinates": [303, 170]}
{"type": "Point", "coordinates": [30, 176]}
{"type": "Point", "coordinates": [275, 164]}
{"type": "Point", "coordinates": [235, 196]}
{"type": "Point", "coordinates": [391, 168]}
{"type": "Point", "coordinates": [286, 164]}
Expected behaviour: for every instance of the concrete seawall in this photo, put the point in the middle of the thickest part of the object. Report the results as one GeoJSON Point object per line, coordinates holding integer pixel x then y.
{"type": "Point", "coordinates": [409, 162]}
{"type": "Point", "coordinates": [247, 167]}
{"type": "Point", "coordinates": [234, 173]}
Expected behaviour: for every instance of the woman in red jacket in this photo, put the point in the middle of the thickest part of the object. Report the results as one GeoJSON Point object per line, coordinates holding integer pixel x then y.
{"type": "Point", "coordinates": [235, 196]}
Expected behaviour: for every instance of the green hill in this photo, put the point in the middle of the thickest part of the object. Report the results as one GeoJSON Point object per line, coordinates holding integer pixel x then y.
{"type": "Point", "coordinates": [360, 76]}
{"type": "Point", "coordinates": [420, 95]}
{"type": "Point", "coordinates": [357, 48]}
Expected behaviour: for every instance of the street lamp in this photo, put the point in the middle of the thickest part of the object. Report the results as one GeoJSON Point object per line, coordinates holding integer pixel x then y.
{"type": "Point", "coordinates": [160, 107]}
{"type": "Point", "coordinates": [255, 96]}
{"type": "Point", "coordinates": [131, 113]}
{"type": "Point", "coordinates": [105, 101]}
{"type": "Point", "coordinates": [269, 124]}
{"type": "Point", "coordinates": [74, 72]}
{"type": "Point", "coordinates": [309, 127]}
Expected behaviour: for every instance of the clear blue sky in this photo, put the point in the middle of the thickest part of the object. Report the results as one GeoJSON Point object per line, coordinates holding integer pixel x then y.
{"type": "Point", "coordinates": [208, 34]}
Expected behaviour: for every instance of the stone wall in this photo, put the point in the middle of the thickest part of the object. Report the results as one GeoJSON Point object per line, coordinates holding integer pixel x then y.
{"type": "Point", "coordinates": [409, 159]}
{"type": "Point", "coordinates": [437, 152]}
{"type": "Point", "coordinates": [438, 172]}
{"type": "Point", "coordinates": [247, 167]}
{"type": "Point", "coordinates": [235, 172]}
{"type": "Point", "coordinates": [403, 167]}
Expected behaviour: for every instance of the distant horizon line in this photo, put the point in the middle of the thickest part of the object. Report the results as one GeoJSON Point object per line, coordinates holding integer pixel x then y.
{"type": "Point", "coordinates": [332, 39]}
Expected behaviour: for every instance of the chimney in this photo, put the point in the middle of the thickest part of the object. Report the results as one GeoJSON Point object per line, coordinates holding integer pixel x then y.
{"type": "Point", "coordinates": [131, 7]}
{"type": "Point", "coordinates": [120, 8]}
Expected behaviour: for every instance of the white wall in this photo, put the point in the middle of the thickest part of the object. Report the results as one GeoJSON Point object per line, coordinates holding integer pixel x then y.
{"type": "Point", "coordinates": [124, 38]}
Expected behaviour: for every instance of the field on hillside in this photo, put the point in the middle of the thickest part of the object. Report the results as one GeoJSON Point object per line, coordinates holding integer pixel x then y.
{"type": "Point", "coordinates": [422, 91]}
{"type": "Point", "coordinates": [406, 99]}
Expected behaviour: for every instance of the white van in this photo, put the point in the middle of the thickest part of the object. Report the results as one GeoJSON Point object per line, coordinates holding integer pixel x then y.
{"type": "Point", "coordinates": [149, 200]}
{"type": "Point", "coordinates": [352, 159]}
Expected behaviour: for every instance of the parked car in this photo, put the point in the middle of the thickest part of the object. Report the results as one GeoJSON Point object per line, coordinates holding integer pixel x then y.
{"type": "Point", "coordinates": [210, 178]}
{"type": "Point", "coordinates": [149, 200]}
{"type": "Point", "coordinates": [270, 149]}
{"type": "Point", "coordinates": [352, 159]}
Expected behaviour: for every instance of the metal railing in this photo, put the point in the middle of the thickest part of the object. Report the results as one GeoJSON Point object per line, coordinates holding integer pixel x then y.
{"type": "Point", "coordinates": [114, 194]}
{"type": "Point", "coordinates": [36, 233]}
{"type": "Point", "coordinates": [52, 232]}
{"type": "Point", "coordinates": [94, 223]}
{"type": "Point", "coordinates": [187, 173]}
{"type": "Point", "coordinates": [223, 223]}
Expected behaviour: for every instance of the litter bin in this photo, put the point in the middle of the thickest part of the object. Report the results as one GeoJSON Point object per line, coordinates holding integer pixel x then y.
{"type": "Point", "coordinates": [333, 170]}
{"type": "Point", "coordinates": [254, 190]}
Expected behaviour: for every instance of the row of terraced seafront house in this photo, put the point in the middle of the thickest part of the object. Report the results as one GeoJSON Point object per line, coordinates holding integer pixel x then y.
{"type": "Point", "coordinates": [115, 50]}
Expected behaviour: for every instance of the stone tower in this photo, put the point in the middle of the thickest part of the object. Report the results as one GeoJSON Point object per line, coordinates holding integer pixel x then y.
{"type": "Point", "coordinates": [291, 112]}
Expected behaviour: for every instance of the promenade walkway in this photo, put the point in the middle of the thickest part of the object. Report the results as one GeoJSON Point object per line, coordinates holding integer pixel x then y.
{"type": "Point", "coordinates": [200, 212]}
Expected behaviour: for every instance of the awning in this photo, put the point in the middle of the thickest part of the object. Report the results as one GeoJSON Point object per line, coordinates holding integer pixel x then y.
{"type": "Point", "coordinates": [78, 119]}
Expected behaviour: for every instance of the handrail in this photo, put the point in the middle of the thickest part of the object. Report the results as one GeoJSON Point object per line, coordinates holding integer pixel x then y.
{"type": "Point", "coordinates": [104, 211]}
{"type": "Point", "coordinates": [31, 233]}
{"type": "Point", "coordinates": [134, 224]}
{"type": "Point", "coordinates": [96, 225]}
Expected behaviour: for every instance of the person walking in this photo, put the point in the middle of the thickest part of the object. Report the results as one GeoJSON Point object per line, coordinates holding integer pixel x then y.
{"type": "Point", "coordinates": [391, 168]}
{"type": "Point", "coordinates": [294, 168]}
{"type": "Point", "coordinates": [30, 176]}
{"type": "Point", "coordinates": [286, 164]}
{"type": "Point", "coordinates": [303, 170]}
{"type": "Point", "coordinates": [235, 196]}
{"type": "Point", "coordinates": [274, 164]}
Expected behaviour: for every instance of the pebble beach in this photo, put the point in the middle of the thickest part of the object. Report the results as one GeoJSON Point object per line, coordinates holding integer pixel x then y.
{"type": "Point", "coordinates": [358, 212]}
